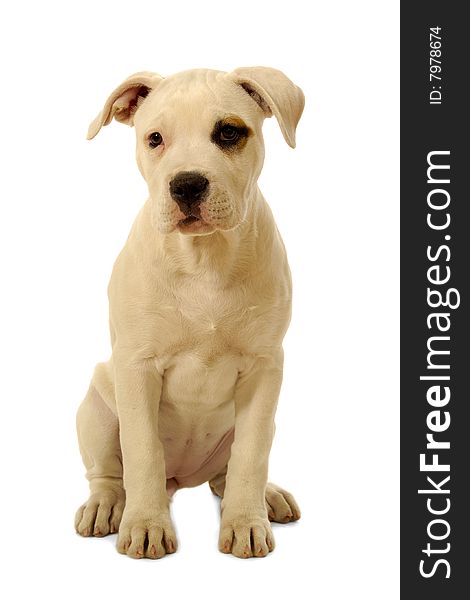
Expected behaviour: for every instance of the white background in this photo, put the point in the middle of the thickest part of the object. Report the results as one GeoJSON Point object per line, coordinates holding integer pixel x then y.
{"type": "Point", "coordinates": [66, 208]}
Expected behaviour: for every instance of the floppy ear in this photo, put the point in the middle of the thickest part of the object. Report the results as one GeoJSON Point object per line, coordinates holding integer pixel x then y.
{"type": "Point", "coordinates": [125, 100]}
{"type": "Point", "coordinates": [275, 94]}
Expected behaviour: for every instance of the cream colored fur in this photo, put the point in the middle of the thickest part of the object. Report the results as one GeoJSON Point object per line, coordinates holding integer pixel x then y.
{"type": "Point", "coordinates": [197, 319]}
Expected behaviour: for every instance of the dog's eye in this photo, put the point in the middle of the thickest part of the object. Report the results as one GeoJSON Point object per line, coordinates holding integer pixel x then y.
{"type": "Point", "coordinates": [228, 133]}
{"type": "Point", "coordinates": [155, 139]}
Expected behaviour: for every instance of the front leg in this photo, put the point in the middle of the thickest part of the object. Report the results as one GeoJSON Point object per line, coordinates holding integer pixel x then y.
{"type": "Point", "coordinates": [146, 528]}
{"type": "Point", "coordinates": [245, 529]}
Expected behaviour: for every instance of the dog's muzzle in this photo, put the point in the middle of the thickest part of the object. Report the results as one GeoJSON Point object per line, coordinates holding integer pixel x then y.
{"type": "Point", "coordinates": [188, 189]}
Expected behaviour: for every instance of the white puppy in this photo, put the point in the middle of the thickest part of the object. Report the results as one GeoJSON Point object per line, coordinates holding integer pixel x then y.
{"type": "Point", "coordinates": [200, 300]}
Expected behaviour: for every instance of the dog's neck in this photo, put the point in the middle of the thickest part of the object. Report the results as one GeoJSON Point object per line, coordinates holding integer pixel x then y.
{"type": "Point", "coordinates": [219, 258]}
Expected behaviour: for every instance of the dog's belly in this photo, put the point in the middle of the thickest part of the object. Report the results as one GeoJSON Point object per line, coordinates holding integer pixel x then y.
{"type": "Point", "coordinates": [197, 415]}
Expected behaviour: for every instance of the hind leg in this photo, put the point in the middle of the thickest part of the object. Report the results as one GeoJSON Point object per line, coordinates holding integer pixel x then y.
{"type": "Point", "coordinates": [280, 505]}
{"type": "Point", "coordinates": [98, 436]}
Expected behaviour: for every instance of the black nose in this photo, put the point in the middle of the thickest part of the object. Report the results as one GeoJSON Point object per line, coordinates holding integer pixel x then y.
{"type": "Point", "coordinates": [188, 188]}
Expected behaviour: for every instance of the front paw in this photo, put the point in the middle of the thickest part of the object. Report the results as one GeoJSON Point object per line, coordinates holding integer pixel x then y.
{"type": "Point", "coordinates": [146, 534]}
{"type": "Point", "coordinates": [246, 535]}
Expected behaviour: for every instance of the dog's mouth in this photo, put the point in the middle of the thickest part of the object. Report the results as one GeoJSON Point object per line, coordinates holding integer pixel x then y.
{"type": "Point", "coordinates": [189, 220]}
{"type": "Point", "coordinates": [194, 224]}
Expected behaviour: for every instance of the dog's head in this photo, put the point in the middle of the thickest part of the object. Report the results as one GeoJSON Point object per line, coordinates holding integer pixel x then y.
{"type": "Point", "coordinates": [199, 141]}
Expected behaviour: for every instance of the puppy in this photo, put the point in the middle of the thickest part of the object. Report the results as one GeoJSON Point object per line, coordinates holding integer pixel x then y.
{"type": "Point", "coordinates": [200, 300]}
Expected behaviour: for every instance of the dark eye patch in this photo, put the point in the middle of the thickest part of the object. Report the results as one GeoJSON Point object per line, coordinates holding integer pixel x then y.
{"type": "Point", "coordinates": [230, 134]}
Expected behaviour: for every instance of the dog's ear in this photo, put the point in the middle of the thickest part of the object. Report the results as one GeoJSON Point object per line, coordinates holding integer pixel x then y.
{"type": "Point", "coordinates": [275, 94]}
{"type": "Point", "coordinates": [125, 100]}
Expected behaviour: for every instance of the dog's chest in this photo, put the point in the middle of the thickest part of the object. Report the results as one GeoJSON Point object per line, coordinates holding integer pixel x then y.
{"type": "Point", "coordinates": [200, 366]}
{"type": "Point", "coordinates": [203, 347]}
{"type": "Point", "coordinates": [207, 325]}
